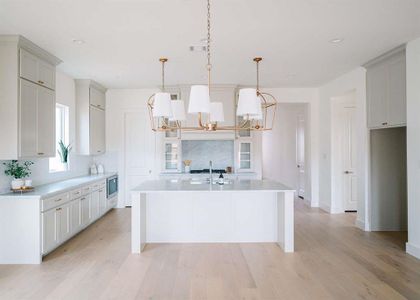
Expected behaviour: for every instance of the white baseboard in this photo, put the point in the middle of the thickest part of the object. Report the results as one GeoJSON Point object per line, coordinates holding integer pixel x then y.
{"type": "Point", "coordinates": [325, 207]}
{"type": "Point", "coordinates": [361, 225]}
{"type": "Point", "coordinates": [413, 250]}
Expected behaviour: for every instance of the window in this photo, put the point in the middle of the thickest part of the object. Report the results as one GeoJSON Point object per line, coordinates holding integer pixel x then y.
{"type": "Point", "coordinates": [61, 133]}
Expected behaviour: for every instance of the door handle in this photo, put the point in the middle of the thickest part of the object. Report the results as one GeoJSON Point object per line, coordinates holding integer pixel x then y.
{"type": "Point", "coordinates": [298, 166]}
{"type": "Point", "coordinates": [348, 172]}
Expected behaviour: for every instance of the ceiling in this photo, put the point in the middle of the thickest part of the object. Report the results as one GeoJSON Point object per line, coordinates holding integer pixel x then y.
{"type": "Point", "coordinates": [125, 38]}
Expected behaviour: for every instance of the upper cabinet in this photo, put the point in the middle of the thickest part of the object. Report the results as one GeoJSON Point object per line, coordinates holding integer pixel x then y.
{"type": "Point", "coordinates": [386, 90]}
{"type": "Point", "coordinates": [90, 117]}
{"type": "Point", "coordinates": [27, 99]}
{"type": "Point", "coordinates": [36, 70]}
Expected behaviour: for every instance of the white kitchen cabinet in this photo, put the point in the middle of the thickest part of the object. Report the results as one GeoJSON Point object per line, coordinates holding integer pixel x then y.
{"type": "Point", "coordinates": [94, 204]}
{"type": "Point", "coordinates": [386, 90]}
{"type": "Point", "coordinates": [102, 201]}
{"type": "Point", "coordinates": [64, 217]}
{"type": "Point", "coordinates": [37, 70]}
{"type": "Point", "coordinates": [37, 120]}
{"type": "Point", "coordinates": [76, 215]}
{"type": "Point", "coordinates": [97, 130]}
{"type": "Point", "coordinates": [85, 203]}
{"type": "Point", "coordinates": [90, 117]}
{"type": "Point", "coordinates": [96, 97]}
{"type": "Point", "coordinates": [49, 230]}
{"type": "Point", "coordinates": [27, 99]}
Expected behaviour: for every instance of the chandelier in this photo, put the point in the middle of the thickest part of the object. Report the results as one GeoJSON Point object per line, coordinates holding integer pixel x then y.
{"type": "Point", "coordinates": [255, 109]}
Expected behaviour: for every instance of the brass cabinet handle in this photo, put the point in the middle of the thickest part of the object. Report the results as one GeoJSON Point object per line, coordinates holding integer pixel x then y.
{"type": "Point", "coordinates": [40, 82]}
{"type": "Point", "coordinates": [348, 172]}
{"type": "Point", "coordinates": [58, 200]}
{"type": "Point", "coordinates": [41, 153]}
{"type": "Point", "coordinates": [84, 198]}
{"type": "Point", "coordinates": [58, 208]}
{"type": "Point", "coordinates": [385, 123]}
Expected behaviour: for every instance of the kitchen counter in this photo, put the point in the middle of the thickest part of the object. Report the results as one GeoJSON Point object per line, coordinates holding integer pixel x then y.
{"type": "Point", "coordinates": [51, 189]}
{"type": "Point", "coordinates": [191, 211]}
{"type": "Point", "coordinates": [153, 186]}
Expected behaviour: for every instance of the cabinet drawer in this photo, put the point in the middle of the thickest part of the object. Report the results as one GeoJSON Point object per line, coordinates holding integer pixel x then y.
{"type": "Point", "coordinates": [86, 190]}
{"type": "Point", "coordinates": [97, 185]}
{"type": "Point", "coordinates": [75, 194]}
{"type": "Point", "coordinates": [55, 201]}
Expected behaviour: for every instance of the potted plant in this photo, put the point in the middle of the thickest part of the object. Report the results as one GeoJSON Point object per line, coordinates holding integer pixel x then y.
{"type": "Point", "coordinates": [64, 152]}
{"type": "Point", "coordinates": [18, 171]}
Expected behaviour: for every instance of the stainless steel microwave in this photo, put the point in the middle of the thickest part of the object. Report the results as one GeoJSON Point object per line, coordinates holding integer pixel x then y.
{"type": "Point", "coordinates": [112, 186]}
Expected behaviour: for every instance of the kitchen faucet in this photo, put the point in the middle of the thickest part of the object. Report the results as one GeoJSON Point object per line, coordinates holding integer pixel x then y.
{"type": "Point", "coordinates": [211, 173]}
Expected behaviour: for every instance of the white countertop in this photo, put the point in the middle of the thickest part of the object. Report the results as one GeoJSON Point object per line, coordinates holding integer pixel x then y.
{"type": "Point", "coordinates": [50, 189]}
{"type": "Point", "coordinates": [157, 186]}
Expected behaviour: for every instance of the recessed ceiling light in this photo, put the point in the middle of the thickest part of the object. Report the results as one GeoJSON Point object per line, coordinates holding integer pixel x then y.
{"type": "Point", "coordinates": [78, 41]}
{"type": "Point", "coordinates": [336, 40]}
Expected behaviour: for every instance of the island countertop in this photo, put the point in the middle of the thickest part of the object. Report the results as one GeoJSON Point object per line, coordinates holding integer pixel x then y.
{"type": "Point", "coordinates": [162, 185]}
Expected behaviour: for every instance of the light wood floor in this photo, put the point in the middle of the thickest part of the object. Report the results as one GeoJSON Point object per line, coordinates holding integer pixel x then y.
{"type": "Point", "coordinates": [333, 260]}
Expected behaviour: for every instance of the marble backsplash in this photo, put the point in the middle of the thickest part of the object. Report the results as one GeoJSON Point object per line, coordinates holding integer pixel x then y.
{"type": "Point", "coordinates": [220, 152]}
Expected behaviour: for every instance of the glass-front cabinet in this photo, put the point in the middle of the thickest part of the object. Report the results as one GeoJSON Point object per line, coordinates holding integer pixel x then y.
{"type": "Point", "coordinates": [244, 156]}
{"type": "Point", "coordinates": [171, 156]}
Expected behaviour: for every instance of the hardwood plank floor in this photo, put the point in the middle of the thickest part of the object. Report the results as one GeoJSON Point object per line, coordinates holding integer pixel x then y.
{"type": "Point", "coordinates": [333, 260]}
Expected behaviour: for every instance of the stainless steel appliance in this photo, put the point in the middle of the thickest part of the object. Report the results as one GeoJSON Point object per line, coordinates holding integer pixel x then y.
{"type": "Point", "coordinates": [112, 186]}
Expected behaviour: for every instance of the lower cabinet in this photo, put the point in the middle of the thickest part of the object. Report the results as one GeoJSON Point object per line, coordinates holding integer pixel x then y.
{"type": "Point", "coordinates": [86, 210]}
{"type": "Point", "coordinates": [102, 201]}
{"type": "Point", "coordinates": [95, 204]}
{"type": "Point", "coordinates": [76, 215]}
{"type": "Point", "coordinates": [62, 222]}
{"type": "Point", "coordinates": [56, 227]}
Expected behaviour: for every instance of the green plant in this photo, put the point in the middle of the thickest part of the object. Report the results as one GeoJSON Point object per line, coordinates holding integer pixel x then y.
{"type": "Point", "coordinates": [17, 170]}
{"type": "Point", "coordinates": [64, 151]}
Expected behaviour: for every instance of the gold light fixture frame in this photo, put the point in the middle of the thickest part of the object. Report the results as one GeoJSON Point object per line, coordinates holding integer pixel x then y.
{"type": "Point", "coordinates": [268, 103]}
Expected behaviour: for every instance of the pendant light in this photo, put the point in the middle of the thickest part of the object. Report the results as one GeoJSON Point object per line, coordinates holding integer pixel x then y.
{"type": "Point", "coordinates": [256, 109]}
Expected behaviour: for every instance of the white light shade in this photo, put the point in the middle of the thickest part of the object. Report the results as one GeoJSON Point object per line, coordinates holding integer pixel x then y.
{"type": "Point", "coordinates": [199, 99]}
{"type": "Point", "coordinates": [248, 103]}
{"type": "Point", "coordinates": [178, 110]}
{"type": "Point", "coordinates": [162, 105]}
{"type": "Point", "coordinates": [258, 115]}
{"type": "Point", "coordinates": [216, 112]}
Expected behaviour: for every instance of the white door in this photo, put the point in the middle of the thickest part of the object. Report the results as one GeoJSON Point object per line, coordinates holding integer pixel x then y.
{"type": "Point", "coordinates": [102, 201]}
{"type": "Point", "coordinates": [86, 210]}
{"type": "Point", "coordinates": [139, 151]}
{"type": "Point", "coordinates": [97, 130]}
{"type": "Point", "coordinates": [46, 74]}
{"type": "Point", "coordinates": [28, 118]}
{"type": "Point", "coordinates": [46, 123]}
{"type": "Point", "coordinates": [300, 155]}
{"type": "Point", "coordinates": [347, 145]}
{"type": "Point", "coordinates": [94, 204]}
{"type": "Point", "coordinates": [76, 215]}
{"type": "Point", "coordinates": [49, 230]}
{"type": "Point", "coordinates": [65, 227]}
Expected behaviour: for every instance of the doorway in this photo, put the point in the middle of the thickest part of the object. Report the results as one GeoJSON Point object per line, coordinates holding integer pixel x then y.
{"type": "Point", "coordinates": [344, 153]}
{"type": "Point", "coordinates": [300, 155]}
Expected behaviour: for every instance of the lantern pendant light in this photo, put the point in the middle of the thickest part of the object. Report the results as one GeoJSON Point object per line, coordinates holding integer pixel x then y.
{"type": "Point", "coordinates": [256, 109]}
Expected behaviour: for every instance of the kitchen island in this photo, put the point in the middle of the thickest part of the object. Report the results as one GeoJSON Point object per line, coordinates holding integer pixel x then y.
{"type": "Point", "coordinates": [185, 211]}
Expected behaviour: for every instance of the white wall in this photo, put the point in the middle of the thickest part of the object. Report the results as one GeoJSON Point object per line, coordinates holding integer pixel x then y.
{"type": "Point", "coordinates": [413, 146]}
{"type": "Point", "coordinates": [271, 142]}
{"type": "Point", "coordinates": [354, 80]}
{"type": "Point", "coordinates": [79, 165]}
{"type": "Point", "coordinates": [279, 147]}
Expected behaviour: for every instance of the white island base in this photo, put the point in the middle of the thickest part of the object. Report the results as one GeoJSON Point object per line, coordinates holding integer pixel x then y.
{"type": "Point", "coordinates": [250, 211]}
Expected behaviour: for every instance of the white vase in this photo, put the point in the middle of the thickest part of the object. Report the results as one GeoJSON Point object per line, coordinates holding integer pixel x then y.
{"type": "Point", "coordinates": [187, 169]}
{"type": "Point", "coordinates": [17, 183]}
